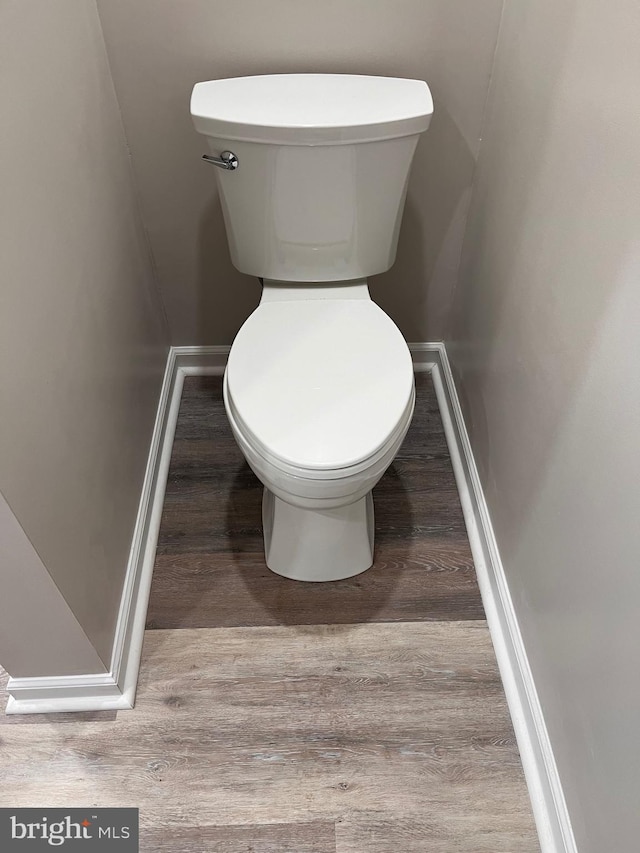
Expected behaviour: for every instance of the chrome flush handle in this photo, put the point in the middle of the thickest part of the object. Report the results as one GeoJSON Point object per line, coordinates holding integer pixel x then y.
{"type": "Point", "coordinates": [227, 160]}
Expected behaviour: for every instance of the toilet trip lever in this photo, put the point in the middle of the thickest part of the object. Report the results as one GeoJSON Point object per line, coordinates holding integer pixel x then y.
{"type": "Point", "coordinates": [227, 160]}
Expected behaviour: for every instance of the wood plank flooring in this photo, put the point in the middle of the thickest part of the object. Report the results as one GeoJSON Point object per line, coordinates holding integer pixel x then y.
{"type": "Point", "coordinates": [210, 569]}
{"type": "Point", "coordinates": [273, 717]}
{"type": "Point", "coordinates": [392, 733]}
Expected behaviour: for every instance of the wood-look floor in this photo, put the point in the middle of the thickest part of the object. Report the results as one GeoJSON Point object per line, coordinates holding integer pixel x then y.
{"type": "Point", "coordinates": [210, 569]}
{"type": "Point", "coordinates": [273, 717]}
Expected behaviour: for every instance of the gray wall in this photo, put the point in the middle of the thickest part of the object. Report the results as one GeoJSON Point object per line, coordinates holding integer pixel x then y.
{"type": "Point", "coordinates": [38, 632]}
{"type": "Point", "coordinates": [82, 340]}
{"type": "Point", "coordinates": [159, 48]}
{"type": "Point", "coordinates": [546, 345]}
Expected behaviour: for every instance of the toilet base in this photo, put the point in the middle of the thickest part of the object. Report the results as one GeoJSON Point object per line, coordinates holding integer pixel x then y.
{"type": "Point", "coordinates": [317, 545]}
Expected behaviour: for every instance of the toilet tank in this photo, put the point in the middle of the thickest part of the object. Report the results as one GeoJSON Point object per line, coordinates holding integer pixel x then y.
{"type": "Point", "coordinates": [323, 162]}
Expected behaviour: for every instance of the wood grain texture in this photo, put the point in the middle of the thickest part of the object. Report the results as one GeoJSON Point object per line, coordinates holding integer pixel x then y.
{"type": "Point", "coordinates": [365, 716]}
{"type": "Point", "coordinates": [396, 734]}
{"type": "Point", "coordinates": [210, 568]}
{"type": "Point", "coordinates": [311, 837]}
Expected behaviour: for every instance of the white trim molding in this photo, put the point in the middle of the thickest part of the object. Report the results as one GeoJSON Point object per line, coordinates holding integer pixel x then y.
{"type": "Point", "coordinates": [127, 649]}
{"type": "Point", "coordinates": [201, 361]}
{"type": "Point", "coordinates": [116, 689]}
{"type": "Point", "coordinates": [424, 356]}
{"type": "Point", "coordinates": [545, 790]}
{"type": "Point", "coordinates": [53, 695]}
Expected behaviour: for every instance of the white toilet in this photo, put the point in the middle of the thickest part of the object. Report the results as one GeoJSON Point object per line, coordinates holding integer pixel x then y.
{"type": "Point", "coordinates": [319, 388]}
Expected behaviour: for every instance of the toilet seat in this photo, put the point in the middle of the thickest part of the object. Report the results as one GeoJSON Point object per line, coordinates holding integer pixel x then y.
{"type": "Point", "coordinates": [320, 388]}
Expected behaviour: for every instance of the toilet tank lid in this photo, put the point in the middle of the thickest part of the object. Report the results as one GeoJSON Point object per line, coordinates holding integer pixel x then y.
{"type": "Point", "coordinates": [311, 109]}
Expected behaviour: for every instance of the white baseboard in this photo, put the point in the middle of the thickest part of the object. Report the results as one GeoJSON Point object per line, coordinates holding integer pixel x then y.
{"type": "Point", "coordinates": [54, 695]}
{"type": "Point", "coordinates": [116, 689]}
{"type": "Point", "coordinates": [424, 356]}
{"type": "Point", "coordinates": [545, 790]}
{"type": "Point", "coordinates": [201, 361]}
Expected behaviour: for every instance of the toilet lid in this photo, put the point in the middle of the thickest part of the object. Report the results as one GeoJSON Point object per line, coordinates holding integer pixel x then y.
{"type": "Point", "coordinates": [320, 384]}
{"type": "Point", "coordinates": [311, 109]}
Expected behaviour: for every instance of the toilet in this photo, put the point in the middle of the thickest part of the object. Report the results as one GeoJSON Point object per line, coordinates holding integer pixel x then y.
{"type": "Point", "coordinates": [312, 174]}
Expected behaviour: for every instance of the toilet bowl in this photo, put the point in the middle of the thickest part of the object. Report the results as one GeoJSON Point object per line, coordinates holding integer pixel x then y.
{"type": "Point", "coordinates": [319, 421]}
{"type": "Point", "coordinates": [318, 388]}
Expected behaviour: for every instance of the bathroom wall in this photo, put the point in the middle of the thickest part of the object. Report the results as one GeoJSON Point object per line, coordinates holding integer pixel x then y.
{"type": "Point", "coordinates": [546, 347]}
{"type": "Point", "coordinates": [82, 335]}
{"type": "Point", "coordinates": [159, 48]}
{"type": "Point", "coordinates": [31, 606]}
